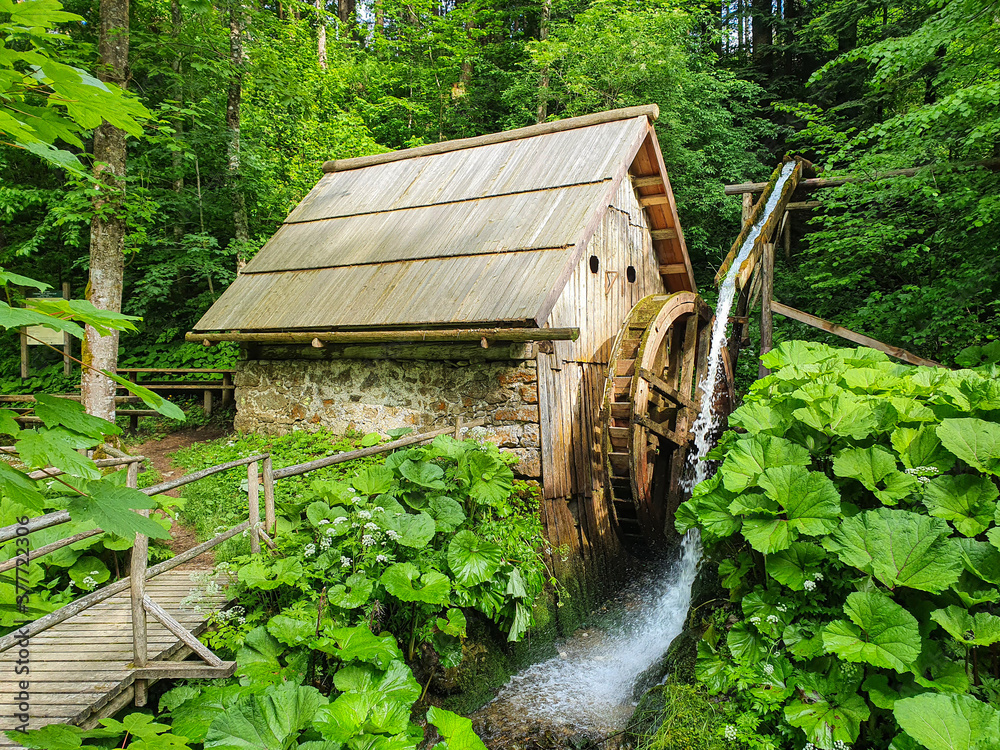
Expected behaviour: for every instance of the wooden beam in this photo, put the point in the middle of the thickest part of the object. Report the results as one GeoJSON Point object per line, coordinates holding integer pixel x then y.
{"type": "Point", "coordinates": [291, 471]}
{"type": "Point", "coordinates": [846, 333]}
{"type": "Point", "coordinates": [663, 234]}
{"type": "Point", "coordinates": [669, 268]}
{"type": "Point", "coordinates": [653, 200]}
{"type": "Point", "coordinates": [815, 183]}
{"type": "Point", "coordinates": [663, 432]}
{"type": "Point", "coordinates": [190, 670]}
{"type": "Point", "coordinates": [253, 499]}
{"type": "Point", "coordinates": [803, 205]}
{"type": "Point", "coordinates": [182, 633]}
{"type": "Point", "coordinates": [652, 180]}
{"type": "Point", "coordinates": [766, 319]}
{"type": "Point", "coordinates": [375, 337]}
{"type": "Point", "coordinates": [649, 110]}
{"type": "Point", "coordinates": [663, 387]}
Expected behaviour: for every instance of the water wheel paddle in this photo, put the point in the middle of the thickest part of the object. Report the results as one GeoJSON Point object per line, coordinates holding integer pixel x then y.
{"type": "Point", "coordinates": [651, 399]}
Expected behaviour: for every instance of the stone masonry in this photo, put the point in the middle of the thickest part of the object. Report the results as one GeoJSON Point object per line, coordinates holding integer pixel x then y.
{"type": "Point", "coordinates": [276, 397]}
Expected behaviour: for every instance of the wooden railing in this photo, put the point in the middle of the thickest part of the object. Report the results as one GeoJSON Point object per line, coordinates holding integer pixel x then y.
{"type": "Point", "coordinates": [260, 471]}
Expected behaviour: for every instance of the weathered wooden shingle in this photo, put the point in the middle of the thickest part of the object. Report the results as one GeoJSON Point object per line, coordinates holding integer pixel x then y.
{"type": "Point", "coordinates": [479, 235]}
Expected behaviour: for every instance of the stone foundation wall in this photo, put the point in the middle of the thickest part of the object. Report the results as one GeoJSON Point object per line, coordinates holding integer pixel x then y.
{"type": "Point", "coordinates": [278, 396]}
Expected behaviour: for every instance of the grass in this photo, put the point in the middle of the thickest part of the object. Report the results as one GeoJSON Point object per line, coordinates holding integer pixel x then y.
{"type": "Point", "coordinates": [219, 502]}
{"type": "Point", "coordinates": [678, 717]}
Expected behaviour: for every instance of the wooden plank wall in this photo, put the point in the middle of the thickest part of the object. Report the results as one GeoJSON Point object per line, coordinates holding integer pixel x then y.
{"type": "Point", "coordinates": [571, 378]}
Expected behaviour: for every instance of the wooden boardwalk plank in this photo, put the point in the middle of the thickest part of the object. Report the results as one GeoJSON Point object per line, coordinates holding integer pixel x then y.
{"type": "Point", "coordinates": [81, 669]}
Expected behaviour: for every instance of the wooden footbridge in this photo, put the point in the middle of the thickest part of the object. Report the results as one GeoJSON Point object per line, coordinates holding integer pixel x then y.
{"type": "Point", "coordinates": [90, 659]}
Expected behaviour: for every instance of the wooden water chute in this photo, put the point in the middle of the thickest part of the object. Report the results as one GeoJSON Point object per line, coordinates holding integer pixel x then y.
{"type": "Point", "coordinates": [651, 400]}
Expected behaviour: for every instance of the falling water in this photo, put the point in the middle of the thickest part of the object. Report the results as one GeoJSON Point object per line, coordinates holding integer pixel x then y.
{"type": "Point", "coordinates": [589, 687]}
{"type": "Point", "coordinates": [707, 421]}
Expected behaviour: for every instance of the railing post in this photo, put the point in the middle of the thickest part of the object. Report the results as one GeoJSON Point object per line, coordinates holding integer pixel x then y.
{"type": "Point", "coordinates": [270, 522]}
{"type": "Point", "coordinates": [137, 582]}
{"type": "Point", "coordinates": [253, 489]}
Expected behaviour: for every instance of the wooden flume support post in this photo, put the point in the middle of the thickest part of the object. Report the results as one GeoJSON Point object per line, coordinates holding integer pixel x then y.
{"type": "Point", "coordinates": [137, 582]}
{"type": "Point", "coordinates": [253, 490]}
{"type": "Point", "coordinates": [270, 521]}
{"type": "Point", "coordinates": [766, 322]}
{"type": "Point", "coordinates": [67, 340]}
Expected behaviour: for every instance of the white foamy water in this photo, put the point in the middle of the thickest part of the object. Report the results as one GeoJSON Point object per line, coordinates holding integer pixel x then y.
{"type": "Point", "coordinates": [589, 686]}
{"type": "Point", "coordinates": [707, 421]}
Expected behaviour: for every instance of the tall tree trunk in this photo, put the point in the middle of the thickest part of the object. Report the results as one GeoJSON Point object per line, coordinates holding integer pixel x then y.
{"type": "Point", "coordinates": [345, 9]}
{"type": "Point", "coordinates": [321, 33]}
{"type": "Point", "coordinates": [176, 157]}
{"type": "Point", "coordinates": [762, 36]}
{"type": "Point", "coordinates": [234, 98]}
{"type": "Point", "coordinates": [543, 81]}
{"type": "Point", "coordinates": [107, 228]}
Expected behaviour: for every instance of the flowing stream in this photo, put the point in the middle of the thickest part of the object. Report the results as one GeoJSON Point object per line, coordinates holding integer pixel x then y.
{"type": "Point", "coordinates": [589, 688]}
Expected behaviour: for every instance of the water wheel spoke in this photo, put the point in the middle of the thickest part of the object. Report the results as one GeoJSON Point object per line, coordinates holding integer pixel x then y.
{"type": "Point", "coordinates": [677, 438]}
{"type": "Point", "coordinates": [662, 387]}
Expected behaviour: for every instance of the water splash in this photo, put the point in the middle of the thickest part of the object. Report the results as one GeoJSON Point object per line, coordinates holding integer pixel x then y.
{"type": "Point", "coordinates": [591, 683]}
{"type": "Point", "coordinates": [707, 422]}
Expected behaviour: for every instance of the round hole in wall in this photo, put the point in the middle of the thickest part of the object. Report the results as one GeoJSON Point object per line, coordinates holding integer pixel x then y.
{"type": "Point", "coordinates": [630, 274]}
{"type": "Point", "coordinates": [594, 264]}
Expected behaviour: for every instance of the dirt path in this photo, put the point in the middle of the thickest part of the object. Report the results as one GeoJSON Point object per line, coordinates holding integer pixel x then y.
{"type": "Point", "coordinates": [158, 453]}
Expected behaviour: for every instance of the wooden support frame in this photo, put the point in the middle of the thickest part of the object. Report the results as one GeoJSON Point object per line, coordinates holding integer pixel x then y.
{"type": "Point", "coordinates": [853, 336]}
{"type": "Point", "coordinates": [253, 498]}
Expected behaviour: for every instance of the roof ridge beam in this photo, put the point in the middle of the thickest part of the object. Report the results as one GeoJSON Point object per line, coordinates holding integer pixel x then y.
{"type": "Point", "coordinates": [651, 111]}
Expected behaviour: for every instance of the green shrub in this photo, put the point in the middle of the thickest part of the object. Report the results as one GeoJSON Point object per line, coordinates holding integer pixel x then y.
{"type": "Point", "coordinates": [855, 516]}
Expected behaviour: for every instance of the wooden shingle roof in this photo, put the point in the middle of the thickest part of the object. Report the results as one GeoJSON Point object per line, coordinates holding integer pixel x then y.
{"type": "Point", "coordinates": [480, 232]}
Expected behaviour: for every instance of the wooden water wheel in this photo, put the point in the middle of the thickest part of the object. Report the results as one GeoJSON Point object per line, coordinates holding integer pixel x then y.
{"type": "Point", "coordinates": [651, 399]}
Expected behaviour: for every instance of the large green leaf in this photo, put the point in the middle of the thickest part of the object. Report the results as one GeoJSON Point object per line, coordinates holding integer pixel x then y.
{"type": "Point", "coordinates": [62, 412]}
{"type": "Point", "coordinates": [975, 441]}
{"type": "Point", "coordinates": [112, 507]}
{"type": "Point", "coordinates": [899, 548]}
{"type": "Point", "coordinates": [880, 633]}
{"type": "Point", "coordinates": [192, 718]}
{"type": "Point", "coordinates": [56, 447]}
{"type": "Point", "coordinates": [948, 722]}
{"type": "Point", "coordinates": [826, 716]}
{"type": "Point", "coordinates": [876, 469]}
{"type": "Point", "coordinates": [491, 481]}
{"type": "Point", "coordinates": [980, 629]}
{"type": "Point", "coordinates": [750, 456]}
{"type": "Point", "coordinates": [755, 417]}
{"type": "Point", "coordinates": [414, 529]}
{"type": "Point", "coordinates": [271, 721]}
{"type": "Point", "coordinates": [979, 558]}
{"type": "Point", "coordinates": [457, 730]}
{"type": "Point", "coordinates": [257, 658]}
{"type": "Point", "coordinates": [423, 474]}
{"type": "Point", "coordinates": [920, 446]}
{"type": "Point", "coordinates": [399, 580]}
{"type": "Point", "coordinates": [19, 488]}
{"type": "Point", "coordinates": [373, 480]}
{"type": "Point", "coordinates": [969, 501]}
{"type": "Point", "coordinates": [355, 592]}
{"type": "Point", "coordinates": [795, 565]}
{"type": "Point", "coordinates": [268, 575]}
{"type": "Point", "coordinates": [359, 643]}
{"type": "Point", "coordinates": [473, 560]}
{"type": "Point", "coordinates": [448, 514]}
{"type": "Point", "coordinates": [809, 498]}
{"type": "Point", "coordinates": [841, 415]}
{"type": "Point", "coordinates": [153, 400]}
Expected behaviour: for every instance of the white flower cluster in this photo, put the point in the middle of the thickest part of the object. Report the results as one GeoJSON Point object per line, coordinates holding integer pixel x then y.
{"type": "Point", "coordinates": [89, 583]}
{"type": "Point", "coordinates": [840, 745]}
{"type": "Point", "coordinates": [233, 613]}
{"type": "Point", "coordinates": [345, 561]}
{"type": "Point", "coordinates": [325, 542]}
{"type": "Point", "coordinates": [731, 733]}
{"type": "Point", "coordinates": [923, 473]}
{"type": "Point", "coordinates": [309, 550]}
{"type": "Point", "coordinates": [365, 514]}
{"type": "Point", "coordinates": [768, 669]}
{"type": "Point", "coordinates": [782, 608]}
{"type": "Point", "coordinates": [755, 620]}
{"type": "Point", "coordinates": [811, 585]}
{"type": "Point", "coordinates": [323, 521]}
{"type": "Point", "coordinates": [381, 558]}
{"type": "Point", "coordinates": [392, 534]}
{"type": "Point", "coordinates": [371, 526]}
{"type": "Point", "coordinates": [367, 540]}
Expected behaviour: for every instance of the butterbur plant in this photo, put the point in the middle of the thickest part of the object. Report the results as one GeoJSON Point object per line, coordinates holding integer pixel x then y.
{"type": "Point", "coordinates": [854, 520]}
